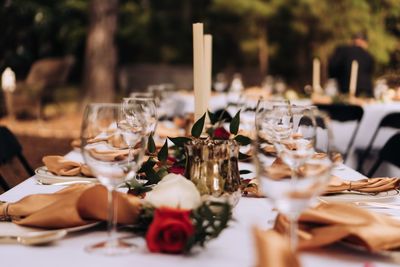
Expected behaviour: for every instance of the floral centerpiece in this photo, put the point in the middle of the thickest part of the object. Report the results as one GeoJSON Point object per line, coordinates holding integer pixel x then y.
{"type": "Point", "coordinates": [176, 217]}
{"type": "Point", "coordinates": [180, 157]}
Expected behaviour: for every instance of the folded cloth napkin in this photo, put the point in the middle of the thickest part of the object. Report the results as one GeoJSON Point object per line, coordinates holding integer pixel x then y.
{"type": "Point", "coordinates": [273, 250]}
{"type": "Point", "coordinates": [329, 223]}
{"type": "Point", "coordinates": [64, 167]}
{"type": "Point", "coordinates": [76, 143]}
{"type": "Point", "coordinates": [163, 131]}
{"type": "Point", "coordinates": [372, 185]}
{"type": "Point", "coordinates": [279, 170]}
{"type": "Point", "coordinates": [109, 155]}
{"type": "Point", "coordinates": [73, 206]}
{"type": "Point", "coordinates": [115, 140]}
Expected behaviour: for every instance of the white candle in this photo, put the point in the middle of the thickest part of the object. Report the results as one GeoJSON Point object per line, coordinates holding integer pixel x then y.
{"type": "Point", "coordinates": [353, 78]}
{"type": "Point", "coordinates": [198, 70]}
{"type": "Point", "coordinates": [207, 69]}
{"type": "Point", "coordinates": [8, 80]}
{"type": "Point", "coordinates": [316, 77]}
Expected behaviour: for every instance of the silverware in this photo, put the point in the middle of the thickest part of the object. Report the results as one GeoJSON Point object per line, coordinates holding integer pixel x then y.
{"type": "Point", "coordinates": [65, 183]}
{"type": "Point", "coordinates": [34, 238]}
{"type": "Point", "coordinates": [377, 205]}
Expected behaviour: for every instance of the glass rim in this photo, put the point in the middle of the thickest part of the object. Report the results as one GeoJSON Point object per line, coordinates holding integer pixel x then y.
{"type": "Point", "coordinates": [139, 98]}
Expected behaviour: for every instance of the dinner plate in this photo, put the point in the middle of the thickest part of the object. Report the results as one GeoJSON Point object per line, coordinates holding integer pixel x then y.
{"type": "Point", "coordinates": [9, 228]}
{"type": "Point", "coordinates": [361, 197]}
{"type": "Point", "coordinates": [44, 176]}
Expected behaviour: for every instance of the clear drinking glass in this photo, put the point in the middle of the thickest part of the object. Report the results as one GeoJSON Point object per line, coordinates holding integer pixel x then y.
{"type": "Point", "coordinates": [265, 120]}
{"type": "Point", "coordinates": [141, 111]}
{"type": "Point", "coordinates": [105, 138]}
{"type": "Point", "coordinates": [292, 130]}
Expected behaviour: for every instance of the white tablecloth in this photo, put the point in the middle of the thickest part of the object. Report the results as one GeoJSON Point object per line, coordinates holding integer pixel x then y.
{"type": "Point", "coordinates": [233, 248]}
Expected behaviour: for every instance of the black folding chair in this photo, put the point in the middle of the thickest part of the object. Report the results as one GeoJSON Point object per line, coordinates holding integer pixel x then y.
{"type": "Point", "coordinates": [389, 153]}
{"type": "Point", "coordinates": [391, 120]}
{"type": "Point", "coordinates": [344, 113]}
{"type": "Point", "coordinates": [10, 148]}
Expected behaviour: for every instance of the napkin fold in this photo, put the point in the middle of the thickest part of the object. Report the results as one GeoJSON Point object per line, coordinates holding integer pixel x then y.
{"type": "Point", "coordinates": [64, 167]}
{"type": "Point", "coordinates": [115, 140]}
{"type": "Point", "coordinates": [109, 155]}
{"type": "Point", "coordinates": [371, 185]}
{"type": "Point", "coordinates": [273, 250]}
{"type": "Point", "coordinates": [329, 223]}
{"type": "Point", "coordinates": [73, 206]}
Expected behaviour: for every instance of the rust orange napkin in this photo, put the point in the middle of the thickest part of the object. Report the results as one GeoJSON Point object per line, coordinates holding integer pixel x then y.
{"type": "Point", "coordinates": [329, 223]}
{"type": "Point", "coordinates": [64, 167]}
{"type": "Point", "coordinates": [371, 185]}
{"type": "Point", "coordinates": [109, 155]}
{"type": "Point", "coordinates": [73, 206]}
{"type": "Point", "coordinates": [273, 250]}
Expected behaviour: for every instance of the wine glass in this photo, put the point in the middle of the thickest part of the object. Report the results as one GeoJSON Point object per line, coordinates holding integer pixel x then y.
{"type": "Point", "coordinates": [265, 120]}
{"type": "Point", "coordinates": [220, 83]}
{"type": "Point", "coordinates": [292, 130]}
{"type": "Point", "coordinates": [104, 138]}
{"type": "Point", "coordinates": [141, 111]}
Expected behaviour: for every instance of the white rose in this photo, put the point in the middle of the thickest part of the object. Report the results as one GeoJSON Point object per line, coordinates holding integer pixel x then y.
{"type": "Point", "coordinates": [174, 191]}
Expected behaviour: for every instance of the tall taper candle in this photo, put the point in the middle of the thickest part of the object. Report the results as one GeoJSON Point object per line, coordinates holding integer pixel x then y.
{"type": "Point", "coordinates": [353, 78]}
{"type": "Point", "coordinates": [207, 68]}
{"type": "Point", "coordinates": [198, 70]}
{"type": "Point", "coordinates": [316, 77]}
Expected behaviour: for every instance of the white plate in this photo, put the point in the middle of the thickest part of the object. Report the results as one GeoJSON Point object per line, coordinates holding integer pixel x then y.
{"type": "Point", "coordinates": [361, 197]}
{"type": "Point", "coordinates": [9, 228]}
{"type": "Point", "coordinates": [44, 176]}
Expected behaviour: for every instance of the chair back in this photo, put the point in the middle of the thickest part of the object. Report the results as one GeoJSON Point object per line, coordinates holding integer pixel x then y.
{"type": "Point", "coordinates": [9, 145]}
{"type": "Point", "coordinates": [391, 120]}
{"type": "Point", "coordinates": [342, 112]}
{"type": "Point", "coordinates": [10, 148]}
{"type": "Point", "coordinates": [390, 151]}
{"type": "Point", "coordinates": [49, 72]}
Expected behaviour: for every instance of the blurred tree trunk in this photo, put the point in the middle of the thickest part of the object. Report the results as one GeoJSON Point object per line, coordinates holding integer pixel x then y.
{"type": "Point", "coordinates": [101, 54]}
{"type": "Point", "coordinates": [263, 50]}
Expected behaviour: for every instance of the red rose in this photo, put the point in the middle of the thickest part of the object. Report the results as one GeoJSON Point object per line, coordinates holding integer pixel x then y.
{"type": "Point", "coordinates": [177, 169]}
{"type": "Point", "coordinates": [221, 133]}
{"type": "Point", "coordinates": [171, 159]}
{"type": "Point", "coordinates": [169, 231]}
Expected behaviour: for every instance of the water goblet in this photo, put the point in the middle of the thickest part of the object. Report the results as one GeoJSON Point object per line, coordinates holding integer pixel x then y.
{"type": "Point", "coordinates": [104, 149]}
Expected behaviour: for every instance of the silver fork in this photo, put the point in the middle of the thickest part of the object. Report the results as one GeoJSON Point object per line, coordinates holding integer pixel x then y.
{"type": "Point", "coordinates": [65, 183]}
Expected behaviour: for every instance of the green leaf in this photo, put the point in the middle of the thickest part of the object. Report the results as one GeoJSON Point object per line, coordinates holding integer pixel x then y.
{"type": "Point", "coordinates": [243, 156]}
{"type": "Point", "coordinates": [151, 146]}
{"type": "Point", "coordinates": [244, 172]}
{"type": "Point", "coordinates": [149, 164]}
{"type": "Point", "coordinates": [198, 126]}
{"type": "Point", "coordinates": [163, 153]}
{"type": "Point", "coordinates": [243, 140]}
{"type": "Point", "coordinates": [179, 141]}
{"type": "Point", "coordinates": [213, 117]}
{"type": "Point", "coordinates": [234, 125]}
{"type": "Point", "coordinates": [152, 177]}
{"type": "Point", "coordinates": [162, 172]}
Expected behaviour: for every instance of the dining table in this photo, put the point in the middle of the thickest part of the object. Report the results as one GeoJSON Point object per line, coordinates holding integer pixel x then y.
{"type": "Point", "coordinates": [234, 247]}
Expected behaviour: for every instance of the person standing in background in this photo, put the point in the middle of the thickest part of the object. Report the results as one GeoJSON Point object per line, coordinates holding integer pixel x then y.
{"type": "Point", "coordinates": [339, 65]}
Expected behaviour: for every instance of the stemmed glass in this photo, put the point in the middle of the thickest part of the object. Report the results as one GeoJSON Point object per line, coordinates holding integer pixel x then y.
{"type": "Point", "coordinates": [142, 110]}
{"type": "Point", "coordinates": [104, 137]}
{"type": "Point", "coordinates": [292, 131]}
{"type": "Point", "coordinates": [265, 120]}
